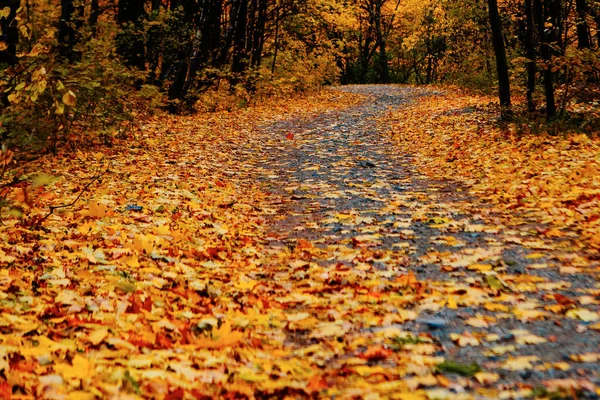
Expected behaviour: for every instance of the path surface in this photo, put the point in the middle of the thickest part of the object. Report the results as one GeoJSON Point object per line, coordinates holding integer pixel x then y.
{"type": "Point", "coordinates": [339, 183]}
{"type": "Point", "coordinates": [232, 257]}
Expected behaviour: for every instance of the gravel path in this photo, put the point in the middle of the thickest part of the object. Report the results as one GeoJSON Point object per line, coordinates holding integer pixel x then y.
{"type": "Point", "coordinates": [339, 180]}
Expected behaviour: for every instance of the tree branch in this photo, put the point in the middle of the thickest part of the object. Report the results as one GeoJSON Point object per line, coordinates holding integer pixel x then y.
{"type": "Point", "coordinates": [85, 188]}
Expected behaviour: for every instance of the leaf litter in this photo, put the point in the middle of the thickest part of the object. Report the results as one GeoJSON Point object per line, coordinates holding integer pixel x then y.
{"type": "Point", "coordinates": [287, 250]}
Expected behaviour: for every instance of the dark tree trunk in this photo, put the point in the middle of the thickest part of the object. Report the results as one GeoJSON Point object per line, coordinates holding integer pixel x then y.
{"type": "Point", "coordinates": [583, 30]}
{"type": "Point", "coordinates": [366, 54]}
{"type": "Point", "coordinates": [130, 11]}
{"type": "Point", "coordinates": [368, 47]}
{"type": "Point", "coordinates": [94, 14]}
{"type": "Point", "coordinates": [239, 20]}
{"type": "Point", "coordinates": [258, 33]}
{"type": "Point", "coordinates": [501, 63]}
{"type": "Point", "coordinates": [376, 16]}
{"type": "Point", "coordinates": [67, 30]}
{"type": "Point", "coordinates": [429, 72]}
{"type": "Point", "coordinates": [211, 12]}
{"type": "Point", "coordinates": [530, 52]}
{"type": "Point", "coordinates": [10, 32]}
{"type": "Point", "coordinates": [185, 64]}
{"type": "Point", "coordinates": [177, 88]}
{"type": "Point", "coordinates": [546, 39]}
{"type": "Point", "coordinates": [130, 41]}
{"type": "Point", "coordinates": [597, 21]}
{"type": "Point", "coordinates": [208, 24]}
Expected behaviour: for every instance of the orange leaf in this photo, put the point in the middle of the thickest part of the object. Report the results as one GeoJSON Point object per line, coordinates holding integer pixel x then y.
{"type": "Point", "coordinates": [376, 353]}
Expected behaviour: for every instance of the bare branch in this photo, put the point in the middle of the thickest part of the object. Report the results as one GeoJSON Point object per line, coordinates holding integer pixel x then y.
{"type": "Point", "coordinates": [85, 188]}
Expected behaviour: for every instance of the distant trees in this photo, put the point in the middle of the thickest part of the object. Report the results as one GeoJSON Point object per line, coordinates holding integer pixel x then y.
{"type": "Point", "coordinates": [546, 50]}
{"type": "Point", "coordinates": [186, 44]}
{"type": "Point", "coordinates": [374, 25]}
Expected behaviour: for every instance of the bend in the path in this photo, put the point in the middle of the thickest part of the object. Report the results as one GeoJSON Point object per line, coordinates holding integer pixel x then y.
{"type": "Point", "coordinates": [340, 183]}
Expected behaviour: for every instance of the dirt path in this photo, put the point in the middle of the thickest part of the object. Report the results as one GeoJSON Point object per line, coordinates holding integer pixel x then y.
{"type": "Point", "coordinates": [232, 257]}
{"type": "Point", "coordinates": [344, 199]}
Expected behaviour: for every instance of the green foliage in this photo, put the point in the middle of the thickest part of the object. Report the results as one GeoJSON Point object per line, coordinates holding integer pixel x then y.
{"type": "Point", "coordinates": [50, 100]}
{"type": "Point", "coordinates": [52, 104]}
{"type": "Point", "coordinates": [458, 368]}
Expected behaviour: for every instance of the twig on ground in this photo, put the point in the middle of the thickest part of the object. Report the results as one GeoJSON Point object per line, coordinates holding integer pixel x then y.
{"type": "Point", "coordinates": [85, 188]}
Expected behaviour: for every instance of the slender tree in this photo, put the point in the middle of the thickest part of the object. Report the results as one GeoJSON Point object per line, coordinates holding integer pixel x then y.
{"type": "Point", "coordinates": [546, 39]}
{"type": "Point", "coordinates": [583, 30]}
{"type": "Point", "coordinates": [500, 52]}
{"type": "Point", "coordinates": [239, 23]}
{"type": "Point", "coordinates": [376, 33]}
{"type": "Point", "coordinates": [530, 53]}
{"type": "Point", "coordinates": [94, 14]}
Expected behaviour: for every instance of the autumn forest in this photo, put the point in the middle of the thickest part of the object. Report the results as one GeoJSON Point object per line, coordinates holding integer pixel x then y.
{"type": "Point", "coordinates": [300, 199]}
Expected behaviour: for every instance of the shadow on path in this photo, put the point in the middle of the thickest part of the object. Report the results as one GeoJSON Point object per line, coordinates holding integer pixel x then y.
{"type": "Point", "coordinates": [342, 186]}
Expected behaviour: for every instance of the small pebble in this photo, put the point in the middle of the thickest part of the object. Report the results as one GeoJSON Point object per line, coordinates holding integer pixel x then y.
{"type": "Point", "coordinates": [525, 374]}
{"type": "Point", "coordinates": [434, 323]}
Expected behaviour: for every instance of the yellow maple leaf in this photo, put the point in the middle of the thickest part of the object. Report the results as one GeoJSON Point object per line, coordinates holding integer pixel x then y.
{"type": "Point", "coordinates": [583, 314]}
{"type": "Point", "coordinates": [452, 302]}
{"type": "Point", "coordinates": [534, 256]}
{"type": "Point", "coordinates": [81, 395]}
{"type": "Point", "coordinates": [528, 338]}
{"type": "Point", "coordinates": [223, 337]}
{"type": "Point", "coordinates": [595, 241]}
{"type": "Point", "coordinates": [586, 357]}
{"type": "Point", "coordinates": [81, 368]}
{"type": "Point", "coordinates": [144, 244]}
{"type": "Point", "coordinates": [97, 336]}
{"type": "Point", "coordinates": [478, 322]}
{"type": "Point", "coordinates": [519, 363]}
{"type": "Point", "coordinates": [132, 261]}
{"type": "Point", "coordinates": [486, 378]}
{"type": "Point", "coordinates": [327, 330]}
{"type": "Point", "coordinates": [95, 210]}
{"type": "Point", "coordinates": [480, 267]}
{"type": "Point", "coordinates": [464, 339]}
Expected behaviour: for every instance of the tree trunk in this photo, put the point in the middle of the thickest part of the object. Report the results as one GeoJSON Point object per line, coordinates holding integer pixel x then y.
{"type": "Point", "coordinates": [185, 65]}
{"type": "Point", "coordinates": [530, 52]}
{"type": "Point", "coordinates": [130, 41]}
{"type": "Point", "coordinates": [130, 11]}
{"type": "Point", "coordinates": [94, 14]}
{"type": "Point", "coordinates": [258, 33]}
{"type": "Point", "coordinates": [67, 29]}
{"type": "Point", "coordinates": [546, 54]}
{"type": "Point", "coordinates": [211, 12]}
{"type": "Point", "coordinates": [597, 21]}
{"type": "Point", "coordinates": [10, 31]}
{"type": "Point", "coordinates": [501, 63]}
{"type": "Point", "coordinates": [239, 20]}
{"type": "Point", "coordinates": [381, 43]}
{"type": "Point", "coordinates": [583, 30]}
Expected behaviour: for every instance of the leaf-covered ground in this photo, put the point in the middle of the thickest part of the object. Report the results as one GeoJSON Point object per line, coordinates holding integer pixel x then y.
{"type": "Point", "coordinates": [396, 246]}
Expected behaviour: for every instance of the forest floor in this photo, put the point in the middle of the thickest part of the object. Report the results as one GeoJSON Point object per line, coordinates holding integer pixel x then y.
{"type": "Point", "coordinates": [367, 242]}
